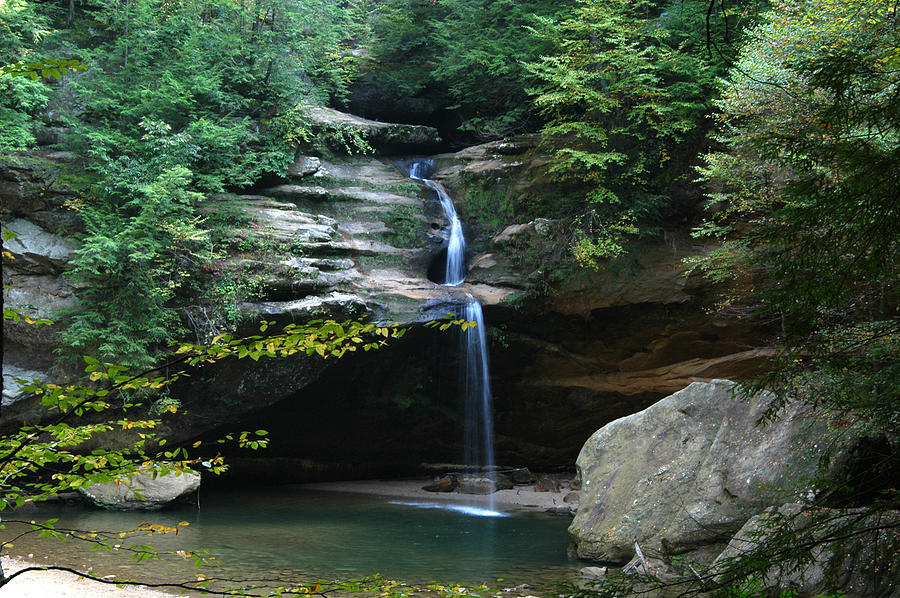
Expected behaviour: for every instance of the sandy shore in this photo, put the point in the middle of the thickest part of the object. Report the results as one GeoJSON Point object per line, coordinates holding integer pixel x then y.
{"type": "Point", "coordinates": [61, 584]}
{"type": "Point", "coordinates": [519, 498]}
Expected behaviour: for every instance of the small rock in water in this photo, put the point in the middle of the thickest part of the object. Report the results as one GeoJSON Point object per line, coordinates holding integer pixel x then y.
{"type": "Point", "coordinates": [546, 484]}
{"type": "Point", "coordinates": [470, 485]}
{"type": "Point", "coordinates": [593, 571]}
{"type": "Point", "coordinates": [522, 475]}
{"type": "Point", "coordinates": [575, 484]}
{"type": "Point", "coordinates": [446, 484]}
{"type": "Point", "coordinates": [519, 588]}
{"type": "Point", "coordinates": [483, 485]}
{"type": "Point", "coordinates": [502, 482]}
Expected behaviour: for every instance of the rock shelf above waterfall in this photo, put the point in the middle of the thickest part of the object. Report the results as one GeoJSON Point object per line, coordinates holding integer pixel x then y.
{"type": "Point", "coordinates": [385, 137]}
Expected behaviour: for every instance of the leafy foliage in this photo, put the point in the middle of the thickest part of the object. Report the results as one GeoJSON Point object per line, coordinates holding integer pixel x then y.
{"type": "Point", "coordinates": [132, 259]}
{"type": "Point", "coordinates": [483, 66]}
{"type": "Point", "coordinates": [463, 58]}
{"type": "Point", "coordinates": [804, 193]}
{"type": "Point", "coordinates": [20, 102]}
{"type": "Point", "coordinates": [22, 26]}
{"type": "Point", "coordinates": [809, 123]}
{"type": "Point", "coordinates": [44, 68]}
{"type": "Point", "coordinates": [216, 72]}
{"type": "Point", "coordinates": [624, 91]}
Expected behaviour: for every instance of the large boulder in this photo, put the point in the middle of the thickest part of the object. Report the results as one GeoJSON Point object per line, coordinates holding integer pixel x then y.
{"type": "Point", "coordinates": [690, 470]}
{"type": "Point", "coordinates": [814, 552]}
{"type": "Point", "coordinates": [147, 490]}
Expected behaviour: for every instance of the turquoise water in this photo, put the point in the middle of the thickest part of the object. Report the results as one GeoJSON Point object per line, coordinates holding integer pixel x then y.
{"type": "Point", "coordinates": [291, 532]}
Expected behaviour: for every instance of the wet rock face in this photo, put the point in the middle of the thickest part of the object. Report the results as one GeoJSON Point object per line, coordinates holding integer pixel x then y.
{"type": "Point", "coordinates": [35, 250]}
{"type": "Point", "coordinates": [690, 471]}
{"type": "Point", "coordinates": [32, 265]}
{"type": "Point", "coordinates": [28, 187]}
{"type": "Point", "coordinates": [359, 228]}
{"type": "Point", "coordinates": [11, 374]}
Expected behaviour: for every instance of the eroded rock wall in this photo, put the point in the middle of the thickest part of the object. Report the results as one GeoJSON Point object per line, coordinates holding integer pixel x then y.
{"type": "Point", "coordinates": [357, 238]}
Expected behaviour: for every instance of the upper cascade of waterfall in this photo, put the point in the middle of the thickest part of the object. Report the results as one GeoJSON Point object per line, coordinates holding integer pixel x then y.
{"type": "Point", "coordinates": [455, 271]}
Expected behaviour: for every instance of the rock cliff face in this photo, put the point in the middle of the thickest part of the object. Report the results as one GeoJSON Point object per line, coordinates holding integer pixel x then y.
{"type": "Point", "coordinates": [344, 239]}
{"type": "Point", "coordinates": [33, 264]}
{"type": "Point", "coordinates": [359, 238]}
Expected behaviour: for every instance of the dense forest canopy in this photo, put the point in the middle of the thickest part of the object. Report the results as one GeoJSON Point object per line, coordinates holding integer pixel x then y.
{"type": "Point", "coordinates": [771, 128]}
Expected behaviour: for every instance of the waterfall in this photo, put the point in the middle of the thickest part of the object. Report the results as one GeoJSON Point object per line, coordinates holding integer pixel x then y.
{"type": "Point", "coordinates": [479, 422]}
{"type": "Point", "coordinates": [455, 271]}
{"type": "Point", "coordinates": [474, 366]}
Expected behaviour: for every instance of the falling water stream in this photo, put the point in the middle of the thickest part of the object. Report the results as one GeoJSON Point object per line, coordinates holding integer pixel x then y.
{"type": "Point", "coordinates": [455, 271]}
{"type": "Point", "coordinates": [475, 383]}
{"type": "Point", "coordinates": [479, 428]}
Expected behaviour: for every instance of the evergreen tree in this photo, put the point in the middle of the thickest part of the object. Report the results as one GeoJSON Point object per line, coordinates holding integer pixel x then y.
{"type": "Point", "coordinates": [624, 93]}
{"type": "Point", "coordinates": [809, 123]}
